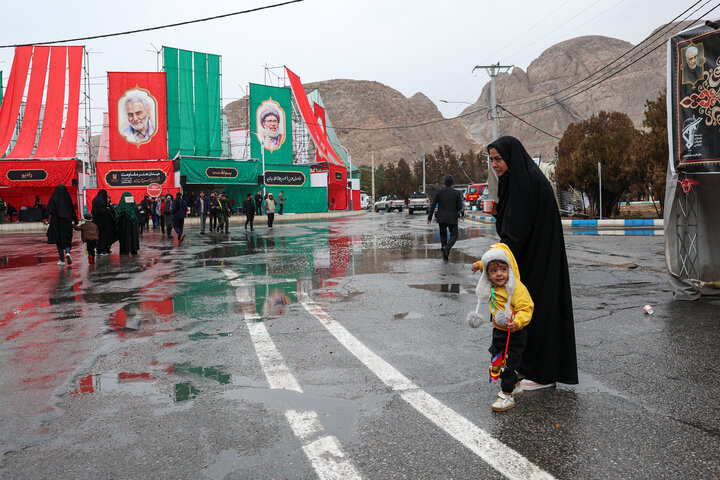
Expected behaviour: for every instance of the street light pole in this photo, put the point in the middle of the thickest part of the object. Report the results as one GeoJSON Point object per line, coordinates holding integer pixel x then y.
{"type": "Point", "coordinates": [372, 160]}
{"type": "Point", "coordinates": [262, 155]}
{"type": "Point", "coordinates": [423, 173]}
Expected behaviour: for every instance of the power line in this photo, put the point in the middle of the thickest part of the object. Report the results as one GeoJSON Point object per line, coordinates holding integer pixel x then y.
{"type": "Point", "coordinates": [528, 123]}
{"type": "Point", "coordinates": [159, 27]}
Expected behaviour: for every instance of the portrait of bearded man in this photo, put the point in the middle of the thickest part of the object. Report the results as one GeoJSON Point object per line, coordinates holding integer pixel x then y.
{"type": "Point", "coordinates": [138, 113]}
{"type": "Point", "coordinates": [272, 121]}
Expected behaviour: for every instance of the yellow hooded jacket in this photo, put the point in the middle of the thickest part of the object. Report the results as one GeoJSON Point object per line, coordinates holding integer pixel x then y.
{"type": "Point", "coordinates": [514, 292]}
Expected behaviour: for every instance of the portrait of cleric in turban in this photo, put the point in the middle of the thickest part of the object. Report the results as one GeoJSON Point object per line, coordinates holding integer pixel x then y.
{"type": "Point", "coordinates": [136, 110]}
{"type": "Point", "coordinates": [271, 124]}
{"type": "Point", "coordinates": [693, 61]}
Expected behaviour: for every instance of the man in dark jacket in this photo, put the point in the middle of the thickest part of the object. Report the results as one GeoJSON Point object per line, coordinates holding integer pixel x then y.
{"type": "Point", "coordinates": [202, 207]}
{"type": "Point", "coordinates": [249, 211]}
{"type": "Point", "coordinates": [258, 203]}
{"type": "Point", "coordinates": [449, 205]}
{"type": "Point", "coordinates": [179, 208]}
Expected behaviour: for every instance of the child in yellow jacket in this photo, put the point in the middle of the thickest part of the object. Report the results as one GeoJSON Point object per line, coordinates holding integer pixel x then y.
{"type": "Point", "coordinates": [511, 309]}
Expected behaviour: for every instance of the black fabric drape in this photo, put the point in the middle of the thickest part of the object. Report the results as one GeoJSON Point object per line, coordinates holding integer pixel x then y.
{"type": "Point", "coordinates": [105, 221]}
{"type": "Point", "coordinates": [528, 221]}
{"type": "Point", "coordinates": [61, 213]}
{"type": "Point", "coordinates": [128, 235]}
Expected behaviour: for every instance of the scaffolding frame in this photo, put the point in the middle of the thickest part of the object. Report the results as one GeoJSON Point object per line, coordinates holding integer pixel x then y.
{"type": "Point", "coordinates": [688, 220]}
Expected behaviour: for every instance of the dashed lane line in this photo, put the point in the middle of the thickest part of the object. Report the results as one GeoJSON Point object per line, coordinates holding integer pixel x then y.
{"type": "Point", "coordinates": [499, 456]}
{"type": "Point", "coordinates": [324, 451]}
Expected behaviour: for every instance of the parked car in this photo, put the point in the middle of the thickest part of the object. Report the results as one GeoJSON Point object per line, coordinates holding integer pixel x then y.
{"type": "Point", "coordinates": [365, 201]}
{"type": "Point", "coordinates": [418, 201]}
{"type": "Point", "coordinates": [390, 203]}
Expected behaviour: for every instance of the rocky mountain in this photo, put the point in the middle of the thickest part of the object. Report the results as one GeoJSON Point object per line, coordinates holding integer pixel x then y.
{"type": "Point", "coordinates": [370, 117]}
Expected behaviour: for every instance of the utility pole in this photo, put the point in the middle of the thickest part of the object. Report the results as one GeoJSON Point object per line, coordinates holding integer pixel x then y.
{"type": "Point", "coordinates": [493, 71]}
{"type": "Point", "coordinates": [372, 168]}
{"type": "Point", "coordinates": [423, 173]}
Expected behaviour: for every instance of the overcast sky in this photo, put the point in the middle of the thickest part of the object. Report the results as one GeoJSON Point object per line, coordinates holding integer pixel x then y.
{"type": "Point", "coordinates": [412, 46]}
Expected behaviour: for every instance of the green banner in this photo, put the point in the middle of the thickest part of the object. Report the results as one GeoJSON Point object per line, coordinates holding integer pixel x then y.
{"type": "Point", "coordinates": [271, 124]}
{"type": "Point", "coordinates": [193, 103]}
{"type": "Point", "coordinates": [220, 171]}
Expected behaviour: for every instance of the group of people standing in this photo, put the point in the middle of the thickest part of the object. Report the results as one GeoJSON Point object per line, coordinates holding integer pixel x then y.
{"type": "Point", "coordinates": [525, 279]}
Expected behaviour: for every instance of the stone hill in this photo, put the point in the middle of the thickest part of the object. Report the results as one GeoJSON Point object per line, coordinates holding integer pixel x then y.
{"type": "Point", "coordinates": [368, 117]}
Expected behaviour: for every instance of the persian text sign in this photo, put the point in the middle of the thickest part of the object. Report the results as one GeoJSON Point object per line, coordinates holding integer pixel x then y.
{"type": "Point", "coordinates": [695, 100]}
{"type": "Point", "coordinates": [26, 175]}
{"type": "Point", "coordinates": [221, 172]}
{"type": "Point", "coordinates": [134, 178]}
{"type": "Point", "coordinates": [276, 178]}
{"type": "Point", "coordinates": [112, 175]}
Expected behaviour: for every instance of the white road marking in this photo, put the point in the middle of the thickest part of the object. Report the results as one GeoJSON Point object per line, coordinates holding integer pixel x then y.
{"type": "Point", "coordinates": [496, 454]}
{"type": "Point", "coordinates": [324, 451]}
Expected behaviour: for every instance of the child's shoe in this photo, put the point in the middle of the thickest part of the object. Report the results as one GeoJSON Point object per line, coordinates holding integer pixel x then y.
{"type": "Point", "coordinates": [518, 390]}
{"type": "Point", "coordinates": [91, 260]}
{"type": "Point", "coordinates": [503, 402]}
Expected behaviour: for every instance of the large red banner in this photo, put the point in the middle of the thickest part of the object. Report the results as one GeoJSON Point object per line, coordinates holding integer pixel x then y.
{"type": "Point", "coordinates": [37, 173]}
{"type": "Point", "coordinates": [137, 106]}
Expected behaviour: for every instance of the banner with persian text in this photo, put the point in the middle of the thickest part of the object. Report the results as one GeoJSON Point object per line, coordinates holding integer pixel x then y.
{"type": "Point", "coordinates": [136, 103]}
{"type": "Point", "coordinates": [270, 124]}
{"type": "Point", "coordinates": [124, 175]}
{"type": "Point", "coordinates": [694, 100]}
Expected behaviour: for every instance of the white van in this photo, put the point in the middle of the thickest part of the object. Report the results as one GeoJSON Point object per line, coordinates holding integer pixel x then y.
{"type": "Point", "coordinates": [365, 201]}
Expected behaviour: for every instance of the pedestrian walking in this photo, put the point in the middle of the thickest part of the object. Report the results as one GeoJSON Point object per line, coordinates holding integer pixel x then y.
{"type": "Point", "coordinates": [179, 209]}
{"type": "Point", "coordinates": [258, 202]}
{"type": "Point", "coordinates": [154, 205]}
{"type": "Point", "coordinates": [89, 236]}
{"type": "Point", "coordinates": [127, 216]}
{"type": "Point", "coordinates": [270, 209]}
{"type": "Point", "coordinates": [224, 213]}
{"type": "Point", "coordinates": [143, 218]}
{"type": "Point", "coordinates": [214, 211]}
{"type": "Point", "coordinates": [157, 214]}
{"type": "Point", "coordinates": [511, 310]}
{"type": "Point", "coordinates": [61, 216]}
{"type": "Point", "coordinates": [168, 215]}
{"type": "Point", "coordinates": [202, 207]}
{"type": "Point", "coordinates": [3, 210]}
{"type": "Point", "coordinates": [281, 201]}
{"type": "Point", "coordinates": [449, 205]}
{"type": "Point", "coordinates": [104, 217]}
{"type": "Point", "coordinates": [528, 221]}
{"type": "Point", "coordinates": [249, 211]}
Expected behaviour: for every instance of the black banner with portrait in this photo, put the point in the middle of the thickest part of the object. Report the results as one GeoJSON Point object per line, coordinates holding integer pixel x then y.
{"type": "Point", "coordinates": [694, 99]}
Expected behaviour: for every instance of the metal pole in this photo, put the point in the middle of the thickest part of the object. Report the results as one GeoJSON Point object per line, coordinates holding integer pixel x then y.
{"type": "Point", "coordinates": [372, 168]}
{"type": "Point", "coordinates": [351, 199]}
{"type": "Point", "coordinates": [423, 173]}
{"type": "Point", "coordinates": [262, 154]}
{"type": "Point", "coordinates": [493, 71]}
{"type": "Point", "coordinates": [600, 188]}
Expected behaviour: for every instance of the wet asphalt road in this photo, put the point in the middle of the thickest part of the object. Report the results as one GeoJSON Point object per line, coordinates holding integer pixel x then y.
{"type": "Point", "coordinates": [194, 361]}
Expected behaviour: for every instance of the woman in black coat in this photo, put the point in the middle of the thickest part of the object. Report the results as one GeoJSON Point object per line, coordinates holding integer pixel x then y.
{"type": "Point", "coordinates": [528, 221]}
{"type": "Point", "coordinates": [103, 217]}
{"type": "Point", "coordinates": [126, 216]}
{"type": "Point", "coordinates": [61, 214]}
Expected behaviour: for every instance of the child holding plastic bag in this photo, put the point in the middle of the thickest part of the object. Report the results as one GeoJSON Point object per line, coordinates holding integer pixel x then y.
{"type": "Point", "coordinates": [511, 309]}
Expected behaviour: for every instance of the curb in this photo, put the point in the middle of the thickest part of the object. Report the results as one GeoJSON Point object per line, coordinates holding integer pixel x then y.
{"type": "Point", "coordinates": [29, 227]}
{"type": "Point", "coordinates": [628, 222]}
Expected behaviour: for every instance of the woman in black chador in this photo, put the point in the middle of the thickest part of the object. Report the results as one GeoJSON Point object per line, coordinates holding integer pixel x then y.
{"type": "Point", "coordinates": [103, 217]}
{"type": "Point", "coordinates": [126, 215]}
{"type": "Point", "coordinates": [528, 221]}
{"type": "Point", "coordinates": [62, 215]}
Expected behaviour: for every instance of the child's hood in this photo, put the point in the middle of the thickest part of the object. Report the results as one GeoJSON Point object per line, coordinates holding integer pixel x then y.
{"type": "Point", "coordinates": [498, 251]}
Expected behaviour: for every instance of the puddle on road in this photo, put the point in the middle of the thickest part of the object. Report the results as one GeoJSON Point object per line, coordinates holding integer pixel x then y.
{"type": "Point", "coordinates": [213, 373]}
{"type": "Point", "coordinates": [185, 391]}
{"type": "Point", "coordinates": [440, 287]}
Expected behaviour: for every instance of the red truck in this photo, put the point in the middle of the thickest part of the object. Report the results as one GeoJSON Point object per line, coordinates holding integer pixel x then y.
{"type": "Point", "coordinates": [474, 191]}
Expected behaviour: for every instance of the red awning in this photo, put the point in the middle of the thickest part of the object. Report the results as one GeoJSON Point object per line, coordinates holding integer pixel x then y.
{"type": "Point", "coordinates": [37, 173]}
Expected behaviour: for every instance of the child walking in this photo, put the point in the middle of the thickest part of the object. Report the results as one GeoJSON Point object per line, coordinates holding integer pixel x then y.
{"type": "Point", "coordinates": [511, 309]}
{"type": "Point", "coordinates": [89, 234]}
